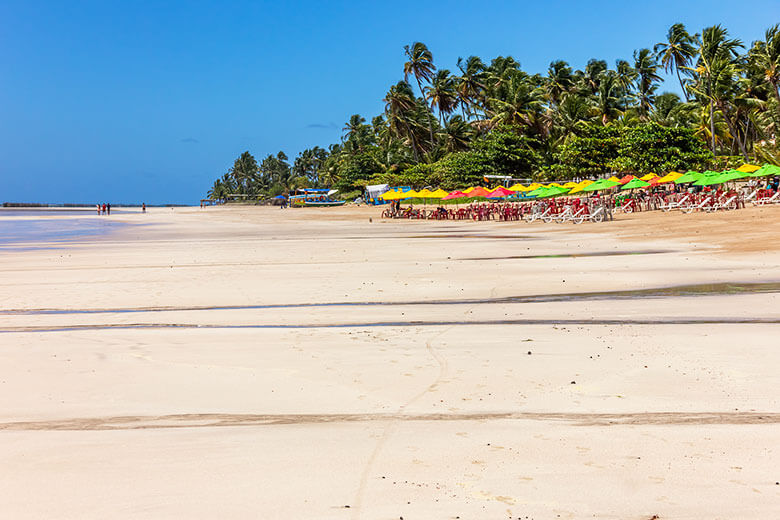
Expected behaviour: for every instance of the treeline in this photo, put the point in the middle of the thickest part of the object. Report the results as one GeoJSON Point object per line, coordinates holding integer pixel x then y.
{"type": "Point", "coordinates": [449, 129]}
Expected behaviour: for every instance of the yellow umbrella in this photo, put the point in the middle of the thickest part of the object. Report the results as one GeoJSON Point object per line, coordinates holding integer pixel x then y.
{"type": "Point", "coordinates": [554, 185]}
{"type": "Point", "coordinates": [518, 187]}
{"type": "Point", "coordinates": [533, 186]}
{"type": "Point", "coordinates": [570, 184]}
{"type": "Point", "coordinates": [411, 194]}
{"type": "Point", "coordinates": [748, 168]}
{"type": "Point", "coordinates": [648, 177]}
{"type": "Point", "coordinates": [669, 177]}
{"type": "Point", "coordinates": [581, 186]}
{"type": "Point", "coordinates": [439, 194]}
{"type": "Point", "coordinates": [615, 179]}
{"type": "Point", "coordinates": [469, 190]}
{"type": "Point", "coordinates": [424, 194]}
{"type": "Point", "coordinates": [393, 195]}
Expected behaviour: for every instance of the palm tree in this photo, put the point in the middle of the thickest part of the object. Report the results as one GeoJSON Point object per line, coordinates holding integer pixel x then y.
{"type": "Point", "coordinates": [469, 84]}
{"type": "Point", "coordinates": [559, 81]}
{"type": "Point", "coordinates": [676, 52]}
{"type": "Point", "coordinates": [766, 56]}
{"type": "Point", "coordinates": [521, 105]}
{"type": "Point", "coordinates": [458, 133]}
{"type": "Point", "coordinates": [421, 66]}
{"type": "Point", "coordinates": [716, 53]}
{"type": "Point", "coordinates": [442, 94]}
{"type": "Point", "coordinates": [610, 98]}
{"type": "Point", "coordinates": [626, 75]}
{"type": "Point", "coordinates": [400, 106]}
{"type": "Point", "coordinates": [647, 81]}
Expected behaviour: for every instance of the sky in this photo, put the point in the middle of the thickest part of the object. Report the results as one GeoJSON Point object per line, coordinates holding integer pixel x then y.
{"type": "Point", "coordinates": [140, 101]}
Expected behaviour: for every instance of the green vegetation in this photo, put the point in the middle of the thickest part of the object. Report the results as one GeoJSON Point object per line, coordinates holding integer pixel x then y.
{"type": "Point", "coordinates": [448, 129]}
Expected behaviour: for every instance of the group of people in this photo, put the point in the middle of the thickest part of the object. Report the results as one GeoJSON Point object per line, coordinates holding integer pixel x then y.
{"type": "Point", "coordinates": [104, 209]}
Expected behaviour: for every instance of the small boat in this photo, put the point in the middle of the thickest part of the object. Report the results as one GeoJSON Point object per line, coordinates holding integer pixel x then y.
{"type": "Point", "coordinates": [314, 198]}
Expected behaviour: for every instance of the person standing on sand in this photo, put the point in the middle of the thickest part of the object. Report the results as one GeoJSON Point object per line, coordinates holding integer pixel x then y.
{"type": "Point", "coordinates": [143, 207]}
{"type": "Point", "coordinates": [103, 212]}
{"type": "Point", "coordinates": [108, 208]}
{"type": "Point", "coordinates": [98, 208]}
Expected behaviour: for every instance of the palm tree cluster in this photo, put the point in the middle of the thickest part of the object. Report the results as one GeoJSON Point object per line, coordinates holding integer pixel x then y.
{"type": "Point", "coordinates": [433, 117]}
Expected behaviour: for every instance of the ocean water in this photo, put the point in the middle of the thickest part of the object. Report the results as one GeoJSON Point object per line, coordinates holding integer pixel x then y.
{"type": "Point", "coordinates": [58, 226]}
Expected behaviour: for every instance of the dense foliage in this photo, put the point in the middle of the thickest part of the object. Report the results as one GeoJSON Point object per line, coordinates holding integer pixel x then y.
{"type": "Point", "coordinates": [447, 129]}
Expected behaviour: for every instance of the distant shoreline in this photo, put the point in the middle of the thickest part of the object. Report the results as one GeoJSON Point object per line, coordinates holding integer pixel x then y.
{"type": "Point", "coordinates": [66, 205]}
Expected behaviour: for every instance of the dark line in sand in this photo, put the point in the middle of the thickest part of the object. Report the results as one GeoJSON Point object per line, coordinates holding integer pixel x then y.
{"type": "Point", "coordinates": [412, 323]}
{"type": "Point", "coordinates": [214, 420]}
{"type": "Point", "coordinates": [729, 288]}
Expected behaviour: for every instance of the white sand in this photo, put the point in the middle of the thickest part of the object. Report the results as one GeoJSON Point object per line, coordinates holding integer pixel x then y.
{"type": "Point", "coordinates": [393, 410]}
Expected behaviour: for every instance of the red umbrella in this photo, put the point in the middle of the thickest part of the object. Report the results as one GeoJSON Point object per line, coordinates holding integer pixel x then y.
{"type": "Point", "coordinates": [455, 195]}
{"type": "Point", "coordinates": [478, 192]}
{"type": "Point", "coordinates": [627, 179]}
{"type": "Point", "coordinates": [501, 192]}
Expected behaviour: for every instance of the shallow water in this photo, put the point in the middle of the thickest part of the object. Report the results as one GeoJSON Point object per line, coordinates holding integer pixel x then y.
{"type": "Point", "coordinates": [24, 230]}
{"type": "Point", "coordinates": [411, 323]}
{"type": "Point", "coordinates": [633, 294]}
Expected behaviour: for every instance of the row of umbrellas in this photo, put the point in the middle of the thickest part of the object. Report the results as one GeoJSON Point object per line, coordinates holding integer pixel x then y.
{"type": "Point", "coordinates": [628, 182]}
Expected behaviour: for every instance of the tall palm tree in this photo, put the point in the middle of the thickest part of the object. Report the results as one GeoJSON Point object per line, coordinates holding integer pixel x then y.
{"type": "Point", "coordinates": [559, 82]}
{"type": "Point", "coordinates": [716, 53]}
{"type": "Point", "coordinates": [647, 81]}
{"type": "Point", "coordinates": [420, 65]}
{"type": "Point", "coordinates": [457, 134]}
{"type": "Point", "coordinates": [470, 85]}
{"type": "Point", "coordinates": [677, 52]}
{"type": "Point", "coordinates": [400, 106]}
{"type": "Point", "coordinates": [442, 94]}
{"type": "Point", "coordinates": [766, 56]}
{"type": "Point", "coordinates": [610, 98]}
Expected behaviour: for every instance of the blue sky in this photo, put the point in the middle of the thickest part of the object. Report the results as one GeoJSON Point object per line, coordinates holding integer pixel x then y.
{"type": "Point", "coordinates": [151, 101]}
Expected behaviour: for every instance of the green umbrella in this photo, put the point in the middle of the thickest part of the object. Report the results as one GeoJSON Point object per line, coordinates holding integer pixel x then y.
{"type": "Point", "coordinates": [635, 183]}
{"type": "Point", "coordinates": [767, 169]}
{"type": "Point", "coordinates": [554, 191]}
{"type": "Point", "coordinates": [690, 176]}
{"type": "Point", "coordinates": [733, 175]}
{"type": "Point", "coordinates": [602, 184]}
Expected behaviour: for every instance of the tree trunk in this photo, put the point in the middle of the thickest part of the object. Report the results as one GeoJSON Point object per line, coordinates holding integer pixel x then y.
{"type": "Point", "coordinates": [430, 123]}
{"type": "Point", "coordinates": [712, 125]}
{"type": "Point", "coordinates": [733, 129]}
{"type": "Point", "coordinates": [682, 86]}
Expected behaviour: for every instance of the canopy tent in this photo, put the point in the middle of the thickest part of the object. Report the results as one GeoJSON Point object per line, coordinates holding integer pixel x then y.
{"type": "Point", "coordinates": [374, 191]}
{"type": "Point", "coordinates": [603, 184]}
{"type": "Point", "coordinates": [635, 183]}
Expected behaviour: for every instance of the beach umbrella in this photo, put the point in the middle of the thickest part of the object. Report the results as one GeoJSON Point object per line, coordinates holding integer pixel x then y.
{"type": "Point", "coordinates": [424, 194]}
{"type": "Point", "coordinates": [454, 195]}
{"type": "Point", "coordinates": [748, 168]}
{"type": "Point", "coordinates": [614, 179]}
{"type": "Point", "coordinates": [627, 178]}
{"type": "Point", "coordinates": [690, 176]}
{"type": "Point", "coordinates": [767, 169]}
{"type": "Point", "coordinates": [709, 178]}
{"type": "Point", "coordinates": [501, 192]}
{"type": "Point", "coordinates": [518, 187]}
{"type": "Point", "coordinates": [570, 185]}
{"type": "Point", "coordinates": [581, 186]}
{"type": "Point", "coordinates": [392, 195]}
{"type": "Point", "coordinates": [669, 177]}
{"type": "Point", "coordinates": [603, 184]}
{"type": "Point", "coordinates": [648, 177]}
{"type": "Point", "coordinates": [635, 183]}
{"type": "Point", "coordinates": [438, 194]}
{"type": "Point", "coordinates": [479, 191]}
{"type": "Point", "coordinates": [411, 194]}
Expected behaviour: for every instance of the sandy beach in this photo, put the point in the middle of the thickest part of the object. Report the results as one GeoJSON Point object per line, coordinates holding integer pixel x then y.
{"type": "Point", "coordinates": [252, 362]}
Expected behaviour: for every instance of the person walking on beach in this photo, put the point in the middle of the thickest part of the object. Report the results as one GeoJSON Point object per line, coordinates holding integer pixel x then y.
{"type": "Point", "coordinates": [98, 208]}
{"type": "Point", "coordinates": [143, 207]}
{"type": "Point", "coordinates": [108, 209]}
{"type": "Point", "coordinates": [103, 209]}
